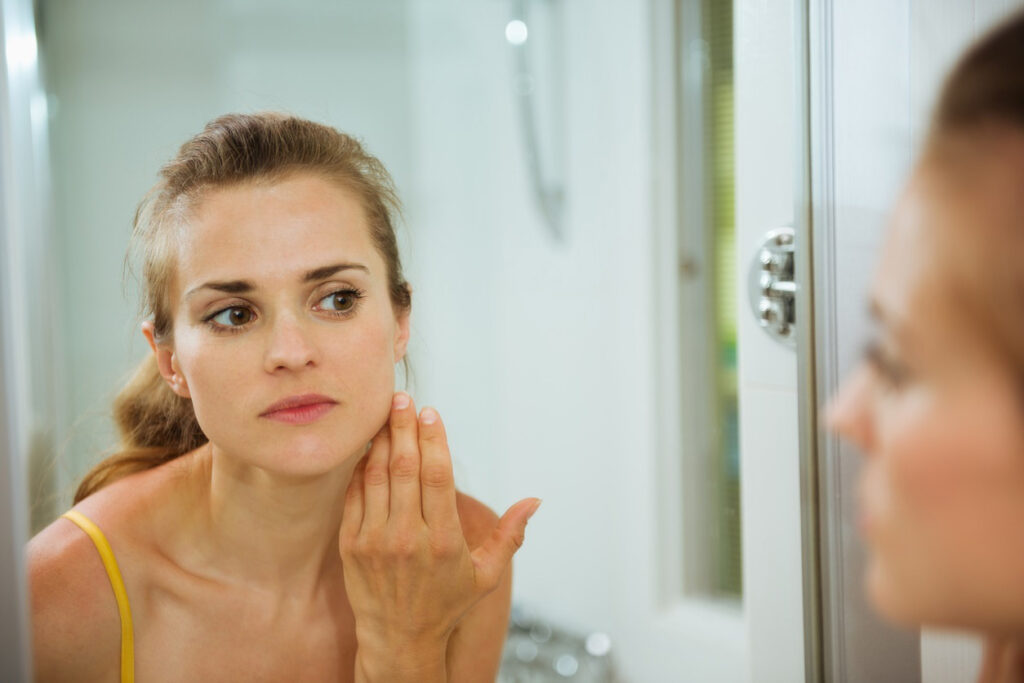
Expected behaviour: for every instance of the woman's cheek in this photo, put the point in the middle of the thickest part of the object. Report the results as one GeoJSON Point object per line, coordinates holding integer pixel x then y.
{"type": "Point", "coordinates": [368, 369]}
{"type": "Point", "coordinates": [935, 485]}
{"type": "Point", "coordinates": [215, 385]}
{"type": "Point", "coordinates": [915, 477]}
{"type": "Point", "coordinates": [912, 441]}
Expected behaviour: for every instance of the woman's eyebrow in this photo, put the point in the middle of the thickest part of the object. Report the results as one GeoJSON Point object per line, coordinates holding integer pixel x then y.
{"type": "Point", "coordinates": [881, 319]}
{"type": "Point", "coordinates": [230, 287]}
{"type": "Point", "coordinates": [244, 286]}
{"type": "Point", "coordinates": [327, 271]}
{"type": "Point", "coordinates": [888, 322]}
{"type": "Point", "coordinates": [875, 310]}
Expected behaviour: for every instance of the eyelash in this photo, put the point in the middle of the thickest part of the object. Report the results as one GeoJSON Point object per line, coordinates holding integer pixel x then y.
{"type": "Point", "coordinates": [892, 373]}
{"type": "Point", "coordinates": [356, 294]}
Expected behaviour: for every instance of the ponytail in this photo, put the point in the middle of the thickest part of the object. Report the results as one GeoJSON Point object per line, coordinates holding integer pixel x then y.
{"type": "Point", "coordinates": [155, 424]}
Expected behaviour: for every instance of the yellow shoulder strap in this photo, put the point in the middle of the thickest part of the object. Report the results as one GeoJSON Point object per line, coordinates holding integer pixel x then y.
{"type": "Point", "coordinates": [110, 564]}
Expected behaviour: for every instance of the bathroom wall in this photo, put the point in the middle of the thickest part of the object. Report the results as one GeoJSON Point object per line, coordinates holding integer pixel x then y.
{"type": "Point", "coordinates": [542, 352]}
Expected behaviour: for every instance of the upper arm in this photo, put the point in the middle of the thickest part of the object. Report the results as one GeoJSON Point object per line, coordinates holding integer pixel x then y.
{"type": "Point", "coordinates": [75, 623]}
{"type": "Point", "coordinates": [476, 644]}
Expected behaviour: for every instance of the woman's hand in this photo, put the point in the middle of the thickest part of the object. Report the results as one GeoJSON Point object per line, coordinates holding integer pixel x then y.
{"type": "Point", "coordinates": [409, 573]}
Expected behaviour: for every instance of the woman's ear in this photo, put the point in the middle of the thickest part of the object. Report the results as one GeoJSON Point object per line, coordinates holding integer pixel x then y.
{"type": "Point", "coordinates": [401, 334]}
{"type": "Point", "coordinates": [166, 362]}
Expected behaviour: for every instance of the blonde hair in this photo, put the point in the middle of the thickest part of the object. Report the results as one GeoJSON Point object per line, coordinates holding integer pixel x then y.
{"type": "Point", "coordinates": [155, 424]}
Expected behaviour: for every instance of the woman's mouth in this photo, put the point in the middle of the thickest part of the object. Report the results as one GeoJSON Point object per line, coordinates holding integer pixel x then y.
{"type": "Point", "coordinates": [300, 410]}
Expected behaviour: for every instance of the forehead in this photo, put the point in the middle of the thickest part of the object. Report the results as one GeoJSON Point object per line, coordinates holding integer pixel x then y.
{"type": "Point", "coordinates": [909, 262]}
{"type": "Point", "coordinates": [258, 231]}
{"type": "Point", "coordinates": [937, 257]}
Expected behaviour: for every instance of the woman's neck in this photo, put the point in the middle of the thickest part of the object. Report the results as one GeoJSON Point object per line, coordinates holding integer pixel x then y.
{"type": "Point", "coordinates": [256, 529]}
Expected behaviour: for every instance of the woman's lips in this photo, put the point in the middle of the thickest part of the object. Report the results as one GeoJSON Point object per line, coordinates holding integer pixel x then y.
{"type": "Point", "coordinates": [299, 409]}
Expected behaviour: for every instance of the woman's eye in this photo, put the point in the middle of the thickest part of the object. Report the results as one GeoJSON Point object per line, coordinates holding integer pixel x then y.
{"type": "Point", "coordinates": [233, 317]}
{"type": "Point", "coordinates": [892, 372]}
{"type": "Point", "coordinates": [342, 301]}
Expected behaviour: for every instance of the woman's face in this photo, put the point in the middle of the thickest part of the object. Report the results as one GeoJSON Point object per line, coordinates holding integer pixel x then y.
{"type": "Point", "coordinates": [938, 415]}
{"type": "Point", "coordinates": [280, 294]}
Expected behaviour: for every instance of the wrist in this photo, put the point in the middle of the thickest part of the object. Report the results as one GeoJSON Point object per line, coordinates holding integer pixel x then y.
{"type": "Point", "coordinates": [384, 658]}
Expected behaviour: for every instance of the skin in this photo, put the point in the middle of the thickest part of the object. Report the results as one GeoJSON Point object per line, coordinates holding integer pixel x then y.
{"type": "Point", "coordinates": [937, 409]}
{"type": "Point", "coordinates": [279, 548]}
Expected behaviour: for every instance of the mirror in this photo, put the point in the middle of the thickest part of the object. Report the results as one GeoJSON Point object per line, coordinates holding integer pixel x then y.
{"type": "Point", "coordinates": [547, 295]}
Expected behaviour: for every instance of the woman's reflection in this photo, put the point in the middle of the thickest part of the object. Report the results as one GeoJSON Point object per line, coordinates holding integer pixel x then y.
{"type": "Point", "coordinates": [277, 511]}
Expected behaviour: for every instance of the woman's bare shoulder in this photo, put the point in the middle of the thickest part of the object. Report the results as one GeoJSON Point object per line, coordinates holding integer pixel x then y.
{"type": "Point", "coordinates": [75, 623]}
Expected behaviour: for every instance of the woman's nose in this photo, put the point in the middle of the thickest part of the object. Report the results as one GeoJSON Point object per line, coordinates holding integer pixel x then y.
{"type": "Point", "coordinates": [849, 413]}
{"type": "Point", "coordinates": [290, 345]}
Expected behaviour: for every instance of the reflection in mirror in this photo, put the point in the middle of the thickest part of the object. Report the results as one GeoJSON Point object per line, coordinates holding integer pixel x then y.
{"type": "Point", "coordinates": [707, 291]}
{"type": "Point", "coordinates": [537, 345]}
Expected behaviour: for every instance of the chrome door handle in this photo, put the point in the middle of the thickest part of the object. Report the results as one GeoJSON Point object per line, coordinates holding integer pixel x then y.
{"type": "Point", "coordinates": [772, 289]}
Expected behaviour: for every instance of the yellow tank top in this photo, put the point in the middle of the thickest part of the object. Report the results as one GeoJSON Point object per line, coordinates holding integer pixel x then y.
{"type": "Point", "coordinates": [110, 564]}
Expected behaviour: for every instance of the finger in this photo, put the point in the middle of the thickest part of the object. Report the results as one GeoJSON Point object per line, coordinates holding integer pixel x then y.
{"type": "Point", "coordinates": [436, 478]}
{"type": "Point", "coordinates": [493, 557]}
{"type": "Point", "coordinates": [376, 482]}
{"type": "Point", "coordinates": [352, 512]}
{"type": "Point", "coordinates": [404, 463]}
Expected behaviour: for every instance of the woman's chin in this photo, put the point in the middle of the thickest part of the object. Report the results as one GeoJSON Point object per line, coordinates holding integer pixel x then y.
{"type": "Point", "coordinates": [300, 456]}
{"type": "Point", "coordinates": [307, 468]}
{"type": "Point", "coordinates": [892, 601]}
{"type": "Point", "coordinates": [314, 461]}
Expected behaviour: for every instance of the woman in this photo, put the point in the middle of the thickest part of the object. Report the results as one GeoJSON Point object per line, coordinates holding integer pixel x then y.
{"type": "Point", "coordinates": [260, 533]}
{"type": "Point", "coordinates": [938, 405]}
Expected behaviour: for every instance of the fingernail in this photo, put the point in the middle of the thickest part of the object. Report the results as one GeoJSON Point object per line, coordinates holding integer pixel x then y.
{"type": "Point", "coordinates": [534, 508]}
{"type": "Point", "coordinates": [401, 401]}
{"type": "Point", "coordinates": [428, 416]}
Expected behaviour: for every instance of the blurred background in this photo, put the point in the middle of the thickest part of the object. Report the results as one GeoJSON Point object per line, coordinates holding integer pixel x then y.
{"type": "Point", "coordinates": [589, 190]}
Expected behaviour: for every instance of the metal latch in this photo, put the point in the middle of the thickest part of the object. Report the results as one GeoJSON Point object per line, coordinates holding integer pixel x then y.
{"type": "Point", "coordinates": [772, 289]}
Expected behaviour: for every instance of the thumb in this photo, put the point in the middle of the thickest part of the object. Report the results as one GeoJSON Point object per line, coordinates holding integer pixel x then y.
{"type": "Point", "coordinates": [491, 558]}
